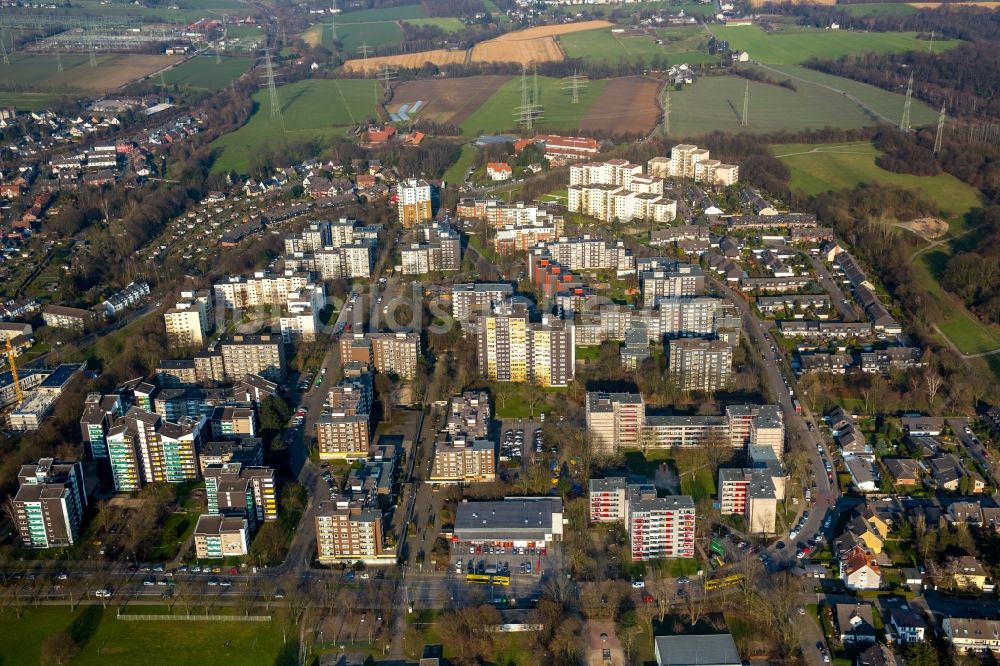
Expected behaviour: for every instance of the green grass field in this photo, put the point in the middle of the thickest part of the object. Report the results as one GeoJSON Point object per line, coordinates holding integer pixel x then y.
{"type": "Point", "coordinates": [716, 103]}
{"type": "Point", "coordinates": [819, 168]}
{"type": "Point", "coordinates": [682, 45]}
{"type": "Point", "coordinates": [187, 10]}
{"type": "Point", "coordinates": [798, 44]}
{"type": "Point", "coordinates": [445, 23]}
{"type": "Point", "coordinates": [320, 108]}
{"type": "Point", "coordinates": [889, 104]}
{"type": "Point", "coordinates": [878, 9]}
{"type": "Point", "coordinates": [374, 27]}
{"type": "Point", "coordinates": [106, 641]}
{"type": "Point", "coordinates": [700, 485]}
{"type": "Point", "coordinates": [205, 73]}
{"type": "Point", "coordinates": [33, 69]}
{"type": "Point", "coordinates": [28, 101]}
{"type": "Point", "coordinates": [695, 8]}
{"type": "Point", "coordinates": [497, 113]}
{"type": "Point", "coordinates": [456, 172]}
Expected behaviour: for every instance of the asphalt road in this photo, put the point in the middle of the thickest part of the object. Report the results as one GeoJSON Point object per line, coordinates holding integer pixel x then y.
{"type": "Point", "coordinates": [847, 308]}
{"type": "Point", "coordinates": [777, 378]}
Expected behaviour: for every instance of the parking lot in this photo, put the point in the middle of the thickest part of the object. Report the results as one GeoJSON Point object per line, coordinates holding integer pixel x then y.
{"type": "Point", "coordinates": [476, 558]}
{"type": "Point", "coordinates": [521, 439]}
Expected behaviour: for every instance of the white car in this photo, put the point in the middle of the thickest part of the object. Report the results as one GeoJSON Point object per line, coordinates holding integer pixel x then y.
{"type": "Point", "coordinates": [638, 584]}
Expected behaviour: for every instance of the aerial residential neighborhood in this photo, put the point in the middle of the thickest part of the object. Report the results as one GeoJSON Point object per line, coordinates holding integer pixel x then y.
{"type": "Point", "coordinates": [499, 333]}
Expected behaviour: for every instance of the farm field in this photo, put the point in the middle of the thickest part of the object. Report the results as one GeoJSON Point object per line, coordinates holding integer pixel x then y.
{"type": "Point", "coordinates": [449, 100]}
{"type": "Point", "coordinates": [40, 72]}
{"type": "Point", "coordinates": [204, 72]}
{"type": "Point", "coordinates": [638, 94]}
{"type": "Point", "coordinates": [691, 8]}
{"type": "Point", "coordinates": [439, 57]}
{"type": "Point", "coordinates": [887, 103]}
{"type": "Point", "coordinates": [310, 109]}
{"type": "Point", "coordinates": [716, 102]}
{"type": "Point", "coordinates": [496, 114]}
{"type": "Point", "coordinates": [792, 46]}
{"type": "Point", "coordinates": [107, 641]}
{"type": "Point", "coordinates": [521, 46]}
{"type": "Point", "coordinates": [683, 45]}
{"type": "Point", "coordinates": [823, 167]}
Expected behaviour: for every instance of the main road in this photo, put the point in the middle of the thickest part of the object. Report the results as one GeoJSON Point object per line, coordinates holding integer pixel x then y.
{"type": "Point", "coordinates": [800, 429]}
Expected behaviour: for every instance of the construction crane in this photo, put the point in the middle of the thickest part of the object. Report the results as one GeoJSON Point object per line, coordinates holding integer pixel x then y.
{"type": "Point", "coordinates": [13, 372]}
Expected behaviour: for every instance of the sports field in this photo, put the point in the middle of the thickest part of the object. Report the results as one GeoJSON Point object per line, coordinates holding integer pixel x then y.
{"type": "Point", "coordinates": [40, 72]}
{"type": "Point", "coordinates": [497, 113]}
{"type": "Point", "coordinates": [716, 103]}
{"type": "Point", "coordinates": [106, 641]}
{"type": "Point", "coordinates": [312, 108]}
{"type": "Point", "coordinates": [680, 45]}
{"type": "Point", "coordinates": [889, 104]}
{"type": "Point", "coordinates": [206, 73]}
{"type": "Point", "coordinates": [797, 44]}
{"type": "Point", "coordinates": [823, 167]}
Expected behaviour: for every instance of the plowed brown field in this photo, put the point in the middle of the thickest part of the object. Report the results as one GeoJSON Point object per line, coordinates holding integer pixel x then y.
{"type": "Point", "coordinates": [449, 100]}
{"type": "Point", "coordinates": [628, 104]}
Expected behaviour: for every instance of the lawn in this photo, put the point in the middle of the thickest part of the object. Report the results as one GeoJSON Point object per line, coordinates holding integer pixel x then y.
{"type": "Point", "coordinates": [798, 44]}
{"type": "Point", "coordinates": [716, 103]}
{"type": "Point", "coordinates": [105, 641]}
{"type": "Point", "coordinates": [176, 529]}
{"type": "Point", "coordinates": [206, 72]}
{"type": "Point", "coordinates": [889, 104]}
{"type": "Point", "coordinates": [819, 168]}
{"type": "Point", "coordinates": [497, 114]}
{"type": "Point", "coordinates": [456, 172]}
{"type": "Point", "coordinates": [682, 45]}
{"type": "Point", "coordinates": [516, 407]}
{"type": "Point", "coordinates": [309, 109]}
{"type": "Point", "coordinates": [700, 485]}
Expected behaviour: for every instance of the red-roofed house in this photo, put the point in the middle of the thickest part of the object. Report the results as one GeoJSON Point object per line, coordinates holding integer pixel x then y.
{"type": "Point", "coordinates": [499, 171]}
{"type": "Point", "coordinates": [565, 148]}
{"type": "Point", "coordinates": [521, 144]}
{"type": "Point", "coordinates": [859, 571]}
{"type": "Point", "coordinates": [381, 136]}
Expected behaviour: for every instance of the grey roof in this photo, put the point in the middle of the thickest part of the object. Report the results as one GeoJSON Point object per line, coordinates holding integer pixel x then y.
{"type": "Point", "coordinates": [685, 650]}
{"type": "Point", "coordinates": [525, 518]}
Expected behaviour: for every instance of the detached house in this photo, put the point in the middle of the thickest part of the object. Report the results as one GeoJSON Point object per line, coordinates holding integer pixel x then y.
{"type": "Point", "coordinates": [855, 623]}
{"type": "Point", "coordinates": [859, 571]}
{"type": "Point", "coordinates": [907, 625]}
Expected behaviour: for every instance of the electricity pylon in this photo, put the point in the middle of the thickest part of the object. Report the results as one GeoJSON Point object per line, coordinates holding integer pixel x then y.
{"type": "Point", "coordinates": [574, 83]}
{"type": "Point", "coordinates": [745, 119]}
{"type": "Point", "coordinates": [939, 137]}
{"type": "Point", "coordinates": [529, 110]}
{"type": "Point", "coordinates": [904, 124]}
{"type": "Point", "coordinates": [272, 90]}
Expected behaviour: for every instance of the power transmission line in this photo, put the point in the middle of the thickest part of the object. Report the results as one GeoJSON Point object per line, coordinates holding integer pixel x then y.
{"type": "Point", "coordinates": [939, 137]}
{"type": "Point", "coordinates": [3, 49]}
{"type": "Point", "coordinates": [386, 74]}
{"type": "Point", "coordinates": [93, 57]}
{"type": "Point", "coordinates": [666, 112]}
{"type": "Point", "coordinates": [365, 50]}
{"type": "Point", "coordinates": [745, 119]}
{"type": "Point", "coordinates": [904, 124]}
{"type": "Point", "coordinates": [930, 44]}
{"type": "Point", "coordinates": [59, 65]}
{"type": "Point", "coordinates": [272, 90]}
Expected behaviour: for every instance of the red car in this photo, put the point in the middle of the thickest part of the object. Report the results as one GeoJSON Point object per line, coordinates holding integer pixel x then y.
{"type": "Point", "coordinates": [647, 599]}
{"type": "Point", "coordinates": [807, 550]}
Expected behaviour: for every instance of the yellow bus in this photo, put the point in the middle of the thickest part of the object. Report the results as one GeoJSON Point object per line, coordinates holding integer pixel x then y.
{"type": "Point", "coordinates": [481, 579]}
{"type": "Point", "coordinates": [501, 580]}
{"type": "Point", "coordinates": [723, 581]}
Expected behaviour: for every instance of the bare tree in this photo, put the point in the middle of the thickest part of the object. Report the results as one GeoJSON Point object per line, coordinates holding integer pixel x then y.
{"type": "Point", "coordinates": [932, 381]}
{"type": "Point", "coordinates": [532, 396]}
{"type": "Point", "coordinates": [501, 390]}
{"type": "Point", "coordinates": [694, 603]}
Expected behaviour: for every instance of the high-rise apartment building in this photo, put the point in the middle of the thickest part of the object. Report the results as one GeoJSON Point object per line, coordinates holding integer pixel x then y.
{"type": "Point", "coordinates": [99, 412]}
{"type": "Point", "coordinates": [188, 322]}
{"type": "Point", "coordinates": [233, 489]}
{"type": "Point", "coordinates": [144, 448]}
{"type": "Point", "coordinates": [463, 451]}
{"type": "Point", "coordinates": [244, 355]}
{"type": "Point", "coordinates": [659, 527]}
{"type": "Point", "coordinates": [514, 349]}
{"type": "Point", "coordinates": [671, 279]}
{"type": "Point", "coordinates": [608, 499]}
{"type": "Point", "coordinates": [749, 493]}
{"type": "Point", "coordinates": [697, 364]}
{"type": "Point", "coordinates": [469, 300]}
{"type": "Point", "coordinates": [387, 352]}
{"type": "Point", "coordinates": [687, 161]}
{"type": "Point", "coordinates": [342, 431]}
{"type": "Point", "coordinates": [49, 504]}
{"type": "Point", "coordinates": [413, 202]}
{"type": "Point", "coordinates": [615, 420]}
{"type": "Point", "coordinates": [433, 246]}
{"type": "Point", "coordinates": [217, 537]}
{"type": "Point", "coordinates": [348, 532]}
